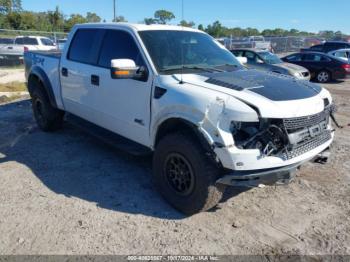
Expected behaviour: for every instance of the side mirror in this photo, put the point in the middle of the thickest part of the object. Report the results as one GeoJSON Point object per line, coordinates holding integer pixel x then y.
{"type": "Point", "coordinates": [242, 60]}
{"type": "Point", "coordinates": [127, 69]}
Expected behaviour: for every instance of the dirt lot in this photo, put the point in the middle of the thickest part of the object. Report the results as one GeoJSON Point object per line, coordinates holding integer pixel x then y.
{"type": "Point", "coordinates": [11, 75]}
{"type": "Point", "coordinates": [67, 193]}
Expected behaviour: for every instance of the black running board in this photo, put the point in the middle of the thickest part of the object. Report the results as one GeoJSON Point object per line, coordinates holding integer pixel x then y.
{"type": "Point", "coordinates": [108, 137]}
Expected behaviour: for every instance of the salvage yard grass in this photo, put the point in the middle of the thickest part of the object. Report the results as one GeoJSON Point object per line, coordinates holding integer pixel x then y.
{"type": "Point", "coordinates": [13, 87]}
{"type": "Point", "coordinates": [6, 99]}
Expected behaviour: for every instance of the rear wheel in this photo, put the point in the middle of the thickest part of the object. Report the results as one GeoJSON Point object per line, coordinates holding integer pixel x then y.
{"type": "Point", "coordinates": [48, 118]}
{"type": "Point", "coordinates": [323, 76]}
{"type": "Point", "coordinates": [185, 175]}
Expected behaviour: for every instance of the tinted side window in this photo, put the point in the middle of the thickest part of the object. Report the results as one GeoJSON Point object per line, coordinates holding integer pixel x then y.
{"type": "Point", "coordinates": [46, 42]}
{"type": "Point", "coordinates": [317, 47]}
{"type": "Point", "coordinates": [251, 57]}
{"type": "Point", "coordinates": [30, 41]}
{"type": "Point", "coordinates": [119, 45]}
{"type": "Point", "coordinates": [325, 59]}
{"type": "Point", "coordinates": [26, 41]}
{"type": "Point", "coordinates": [19, 41]}
{"type": "Point", "coordinates": [85, 45]}
{"type": "Point", "coordinates": [294, 58]}
{"type": "Point", "coordinates": [237, 53]}
{"type": "Point", "coordinates": [312, 58]}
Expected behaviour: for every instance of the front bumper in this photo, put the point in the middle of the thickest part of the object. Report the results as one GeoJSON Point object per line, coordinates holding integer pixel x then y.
{"type": "Point", "coordinates": [273, 176]}
{"type": "Point", "coordinates": [277, 176]}
{"type": "Point", "coordinates": [250, 160]}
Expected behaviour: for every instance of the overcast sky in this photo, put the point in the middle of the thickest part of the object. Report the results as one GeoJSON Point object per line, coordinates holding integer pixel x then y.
{"type": "Point", "coordinates": [309, 15]}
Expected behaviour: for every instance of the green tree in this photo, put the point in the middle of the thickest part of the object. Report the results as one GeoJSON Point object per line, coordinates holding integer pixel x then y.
{"type": "Point", "coordinates": [73, 20]}
{"type": "Point", "coordinates": [56, 19]}
{"type": "Point", "coordinates": [163, 16]}
{"type": "Point", "coordinates": [8, 6]}
{"type": "Point", "coordinates": [120, 19]}
{"type": "Point", "coordinates": [28, 21]}
{"type": "Point", "coordinates": [14, 20]}
{"type": "Point", "coordinates": [201, 27]}
{"type": "Point", "coordinates": [187, 24]}
{"type": "Point", "coordinates": [150, 21]}
{"type": "Point", "coordinates": [92, 18]}
{"type": "Point", "coordinates": [215, 29]}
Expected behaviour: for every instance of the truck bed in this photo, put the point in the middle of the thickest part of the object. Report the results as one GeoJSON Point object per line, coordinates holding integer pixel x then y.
{"type": "Point", "coordinates": [54, 53]}
{"type": "Point", "coordinates": [48, 62]}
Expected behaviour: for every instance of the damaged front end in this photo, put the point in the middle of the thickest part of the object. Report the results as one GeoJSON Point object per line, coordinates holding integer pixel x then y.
{"type": "Point", "coordinates": [284, 138]}
{"type": "Point", "coordinates": [289, 141]}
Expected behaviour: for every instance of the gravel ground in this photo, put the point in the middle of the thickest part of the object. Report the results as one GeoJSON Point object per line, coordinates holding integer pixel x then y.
{"type": "Point", "coordinates": [67, 193]}
{"type": "Point", "coordinates": [12, 75]}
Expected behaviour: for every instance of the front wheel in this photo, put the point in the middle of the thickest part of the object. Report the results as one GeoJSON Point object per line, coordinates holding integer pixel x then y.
{"type": "Point", "coordinates": [184, 174]}
{"type": "Point", "coordinates": [323, 76]}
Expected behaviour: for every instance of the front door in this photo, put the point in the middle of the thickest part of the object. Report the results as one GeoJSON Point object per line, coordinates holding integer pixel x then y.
{"type": "Point", "coordinates": [122, 105]}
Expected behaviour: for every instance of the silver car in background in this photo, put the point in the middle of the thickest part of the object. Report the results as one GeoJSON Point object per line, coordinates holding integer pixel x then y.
{"type": "Point", "coordinates": [343, 54]}
{"type": "Point", "coordinates": [267, 61]}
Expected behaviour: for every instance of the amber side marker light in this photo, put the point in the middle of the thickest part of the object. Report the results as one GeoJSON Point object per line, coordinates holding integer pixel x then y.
{"type": "Point", "coordinates": [121, 73]}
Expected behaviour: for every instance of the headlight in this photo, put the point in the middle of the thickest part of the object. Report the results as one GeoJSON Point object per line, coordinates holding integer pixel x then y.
{"type": "Point", "coordinates": [297, 75]}
{"type": "Point", "coordinates": [267, 136]}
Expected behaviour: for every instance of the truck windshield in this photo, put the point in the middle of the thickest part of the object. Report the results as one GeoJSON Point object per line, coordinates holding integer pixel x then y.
{"type": "Point", "coordinates": [186, 52]}
{"type": "Point", "coordinates": [270, 58]}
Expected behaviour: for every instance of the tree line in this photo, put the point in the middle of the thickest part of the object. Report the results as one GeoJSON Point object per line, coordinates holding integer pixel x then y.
{"type": "Point", "coordinates": [12, 16]}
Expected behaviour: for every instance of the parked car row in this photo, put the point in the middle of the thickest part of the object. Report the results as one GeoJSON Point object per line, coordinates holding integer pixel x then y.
{"type": "Point", "coordinates": [323, 67]}
{"type": "Point", "coordinates": [327, 47]}
{"type": "Point", "coordinates": [306, 65]}
{"type": "Point", "coordinates": [267, 61]}
{"type": "Point", "coordinates": [12, 49]}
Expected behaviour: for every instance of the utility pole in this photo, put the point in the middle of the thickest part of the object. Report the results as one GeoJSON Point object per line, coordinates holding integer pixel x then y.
{"type": "Point", "coordinates": [114, 10]}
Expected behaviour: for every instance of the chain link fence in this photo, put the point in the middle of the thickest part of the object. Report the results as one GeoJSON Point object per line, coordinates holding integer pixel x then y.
{"type": "Point", "coordinates": [13, 44]}
{"type": "Point", "coordinates": [278, 45]}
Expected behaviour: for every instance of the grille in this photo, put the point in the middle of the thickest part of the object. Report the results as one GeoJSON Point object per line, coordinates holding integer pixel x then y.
{"type": "Point", "coordinates": [307, 145]}
{"type": "Point", "coordinates": [307, 121]}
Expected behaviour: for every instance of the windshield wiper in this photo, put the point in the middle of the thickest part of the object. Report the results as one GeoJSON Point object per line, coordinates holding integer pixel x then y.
{"type": "Point", "coordinates": [202, 68]}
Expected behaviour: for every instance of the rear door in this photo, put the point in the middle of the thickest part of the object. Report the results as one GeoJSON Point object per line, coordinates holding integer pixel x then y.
{"type": "Point", "coordinates": [76, 67]}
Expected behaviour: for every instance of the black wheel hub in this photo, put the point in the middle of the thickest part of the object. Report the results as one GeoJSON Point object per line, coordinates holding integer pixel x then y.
{"type": "Point", "coordinates": [179, 174]}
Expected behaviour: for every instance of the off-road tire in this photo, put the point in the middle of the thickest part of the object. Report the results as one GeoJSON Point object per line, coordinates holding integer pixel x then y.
{"type": "Point", "coordinates": [48, 118]}
{"type": "Point", "coordinates": [205, 193]}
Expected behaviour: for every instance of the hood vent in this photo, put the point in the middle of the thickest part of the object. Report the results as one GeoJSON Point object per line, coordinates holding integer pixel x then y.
{"type": "Point", "coordinates": [224, 84]}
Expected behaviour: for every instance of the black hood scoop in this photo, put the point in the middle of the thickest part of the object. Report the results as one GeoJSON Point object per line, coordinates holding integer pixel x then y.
{"type": "Point", "coordinates": [270, 85]}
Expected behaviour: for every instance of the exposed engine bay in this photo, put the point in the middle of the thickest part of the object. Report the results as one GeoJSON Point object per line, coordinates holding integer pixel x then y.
{"type": "Point", "coordinates": [285, 138]}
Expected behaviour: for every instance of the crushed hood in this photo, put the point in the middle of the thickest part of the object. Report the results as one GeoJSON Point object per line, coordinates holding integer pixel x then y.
{"type": "Point", "coordinates": [274, 95]}
{"type": "Point", "coordinates": [275, 87]}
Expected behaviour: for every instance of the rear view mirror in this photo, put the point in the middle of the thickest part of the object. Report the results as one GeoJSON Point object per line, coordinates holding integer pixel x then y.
{"type": "Point", "coordinates": [123, 69]}
{"type": "Point", "coordinates": [242, 60]}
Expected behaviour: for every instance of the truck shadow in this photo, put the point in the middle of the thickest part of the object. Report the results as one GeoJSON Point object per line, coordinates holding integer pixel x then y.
{"type": "Point", "coordinates": [74, 164]}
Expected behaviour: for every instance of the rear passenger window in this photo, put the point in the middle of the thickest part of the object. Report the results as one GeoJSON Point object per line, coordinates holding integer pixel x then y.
{"type": "Point", "coordinates": [119, 45]}
{"type": "Point", "coordinates": [46, 42]}
{"type": "Point", "coordinates": [294, 58]}
{"type": "Point", "coordinates": [85, 45]}
{"type": "Point", "coordinates": [312, 58]}
{"type": "Point", "coordinates": [237, 53]}
{"type": "Point", "coordinates": [26, 41]}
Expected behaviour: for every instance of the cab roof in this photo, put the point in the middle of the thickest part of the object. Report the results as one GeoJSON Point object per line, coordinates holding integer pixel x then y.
{"type": "Point", "coordinates": [137, 27]}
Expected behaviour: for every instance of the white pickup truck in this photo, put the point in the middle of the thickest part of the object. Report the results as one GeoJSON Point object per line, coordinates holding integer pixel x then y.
{"type": "Point", "coordinates": [177, 93]}
{"type": "Point", "coordinates": [14, 51]}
